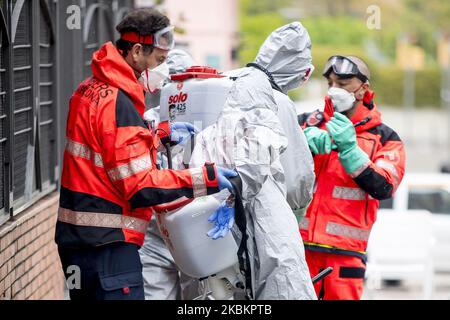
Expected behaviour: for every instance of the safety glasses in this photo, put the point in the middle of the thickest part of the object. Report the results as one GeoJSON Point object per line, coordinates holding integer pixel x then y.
{"type": "Point", "coordinates": [343, 68]}
{"type": "Point", "coordinates": [164, 38]}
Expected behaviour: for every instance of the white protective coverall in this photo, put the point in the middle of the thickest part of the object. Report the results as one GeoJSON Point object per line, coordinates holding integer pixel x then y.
{"type": "Point", "coordinates": [162, 279]}
{"type": "Point", "coordinates": [292, 44]}
{"type": "Point", "coordinates": [250, 136]}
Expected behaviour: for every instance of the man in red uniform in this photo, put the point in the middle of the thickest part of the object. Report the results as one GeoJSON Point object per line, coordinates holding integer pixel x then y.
{"type": "Point", "coordinates": [110, 183]}
{"type": "Point", "coordinates": [358, 161]}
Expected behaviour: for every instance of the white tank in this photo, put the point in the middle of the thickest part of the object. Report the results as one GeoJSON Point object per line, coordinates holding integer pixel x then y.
{"type": "Point", "coordinates": [196, 96]}
{"type": "Point", "coordinates": [185, 233]}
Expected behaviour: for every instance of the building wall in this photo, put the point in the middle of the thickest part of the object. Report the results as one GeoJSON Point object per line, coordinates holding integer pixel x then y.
{"type": "Point", "coordinates": [29, 95]}
{"type": "Point", "coordinates": [210, 29]}
{"type": "Point", "coordinates": [29, 263]}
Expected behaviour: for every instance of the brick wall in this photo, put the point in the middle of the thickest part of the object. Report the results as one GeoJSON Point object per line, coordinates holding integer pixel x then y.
{"type": "Point", "coordinates": [29, 262]}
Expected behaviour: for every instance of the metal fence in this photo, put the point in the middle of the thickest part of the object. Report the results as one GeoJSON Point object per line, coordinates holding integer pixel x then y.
{"type": "Point", "coordinates": [42, 61]}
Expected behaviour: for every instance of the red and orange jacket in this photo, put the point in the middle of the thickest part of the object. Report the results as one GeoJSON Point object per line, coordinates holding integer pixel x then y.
{"type": "Point", "coordinates": [110, 185]}
{"type": "Point", "coordinates": [344, 208]}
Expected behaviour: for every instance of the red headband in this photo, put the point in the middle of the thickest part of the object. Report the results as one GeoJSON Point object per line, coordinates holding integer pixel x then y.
{"type": "Point", "coordinates": [137, 38]}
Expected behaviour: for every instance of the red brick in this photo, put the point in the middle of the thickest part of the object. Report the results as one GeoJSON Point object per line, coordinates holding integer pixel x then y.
{"type": "Point", "coordinates": [34, 286]}
{"type": "Point", "coordinates": [10, 278]}
{"type": "Point", "coordinates": [20, 270]}
{"type": "Point", "coordinates": [8, 253]}
{"type": "Point", "coordinates": [26, 279]}
{"type": "Point", "coordinates": [4, 271]}
{"type": "Point", "coordinates": [16, 287]}
{"type": "Point", "coordinates": [20, 295]}
{"type": "Point", "coordinates": [2, 287]}
{"type": "Point", "coordinates": [6, 240]}
{"type": "Point", "coordinates": [28, 291]}
{"type": "Point", "coordinates": [7, 294]}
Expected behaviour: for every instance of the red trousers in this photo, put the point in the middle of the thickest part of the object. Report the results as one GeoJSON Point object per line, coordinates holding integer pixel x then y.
{"type": "Point", "coordinates": [346, 282]}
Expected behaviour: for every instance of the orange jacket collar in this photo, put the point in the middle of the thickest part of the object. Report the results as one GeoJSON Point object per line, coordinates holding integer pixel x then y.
{"type": "Point", "coordinates": [362, 112]}
{"type": "Point", "coordinates": [110, 67]}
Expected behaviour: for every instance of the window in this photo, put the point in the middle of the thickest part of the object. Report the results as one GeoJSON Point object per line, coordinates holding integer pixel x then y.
{"type": "Point", "coordinates": [33, 105]}
{"type": "Point", "coordinates": [28, 147]}
{"type": "Point", "coordinates": [433, 199]}
{"type": "Point", "coordinates": [4, 191]}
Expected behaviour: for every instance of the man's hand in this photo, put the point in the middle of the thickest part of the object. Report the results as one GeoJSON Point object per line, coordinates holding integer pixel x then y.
{"type": "Point", "coordinates": [319, 140]}
{"type": "Point", "coordinates": [222, 175]}
{"type": "Point", "coordinates": [351, 156]}
{"type": "Point", "coordinates": [342, 131]}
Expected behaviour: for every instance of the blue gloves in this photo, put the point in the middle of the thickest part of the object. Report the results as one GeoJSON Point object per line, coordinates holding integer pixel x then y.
{"type": "Point", "coordinates": [319, 140]}
{"type": "Point", "coordinates": [351, 156]}
{"type": "Point", "coordinates": [223, 219]}
{"type": "Point", "coordinates": [222, 175]}
{"type": "Point", "coordinates": [180, 131]}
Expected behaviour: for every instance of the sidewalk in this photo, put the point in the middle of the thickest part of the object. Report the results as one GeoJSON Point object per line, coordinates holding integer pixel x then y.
{"type": "Point", "coordinates": [411, 290]}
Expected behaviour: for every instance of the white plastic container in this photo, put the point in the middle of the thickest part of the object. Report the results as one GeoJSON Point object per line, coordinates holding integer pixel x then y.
{"type": "Point", "coordinates": [185, 233]}
{"type": "Point", "coordinates": [196, 96]}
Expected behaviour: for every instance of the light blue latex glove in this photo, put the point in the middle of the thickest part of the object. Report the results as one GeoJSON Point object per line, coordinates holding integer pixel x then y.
{"type": "Point", "coordinates": [223, 219]}
{"type": "Point", "coordinates": [319, 140]}
{"type": "Point", "coordinates": [181, 131]}
{"type": "Point", "coordinates": [351, 156]}
{"type": "Point", "coordinates": [222, 175]}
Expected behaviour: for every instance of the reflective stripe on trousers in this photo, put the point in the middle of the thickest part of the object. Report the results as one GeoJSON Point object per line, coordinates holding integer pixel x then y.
{"type": "Point", "coordinates": [102, 220]}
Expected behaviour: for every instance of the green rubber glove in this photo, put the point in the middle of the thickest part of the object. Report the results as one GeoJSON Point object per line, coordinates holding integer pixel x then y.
{"type": "Point", "coordinates": [351, 156]}
{"type": "Point", "coordinates": [319, 140]}
{"type": "Point", "coordinates": [342, 131]}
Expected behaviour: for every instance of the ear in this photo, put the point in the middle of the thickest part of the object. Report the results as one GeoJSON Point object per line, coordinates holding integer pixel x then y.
{"type": "Point", "coordinates": [362, 92]}
{"type": "Point", "coordinates": [136, 52]}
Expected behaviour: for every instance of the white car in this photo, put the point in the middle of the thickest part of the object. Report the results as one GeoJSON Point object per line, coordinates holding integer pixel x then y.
{"type": "Point", "coordinates": [430, 192]}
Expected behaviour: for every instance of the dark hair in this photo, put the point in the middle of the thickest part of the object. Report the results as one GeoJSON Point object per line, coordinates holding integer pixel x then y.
{"type": "Point", "coordinates": [144, 21]}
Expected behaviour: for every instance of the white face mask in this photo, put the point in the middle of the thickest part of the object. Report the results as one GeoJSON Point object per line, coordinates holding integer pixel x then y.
{"type": "Point", "coordinates": [342, 99]}
{"type": "Point", "coordinates": [153, 79]}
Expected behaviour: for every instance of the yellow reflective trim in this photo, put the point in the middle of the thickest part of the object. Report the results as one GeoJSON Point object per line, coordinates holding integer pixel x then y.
{"type": "Point", "coordinates": [330, 247]}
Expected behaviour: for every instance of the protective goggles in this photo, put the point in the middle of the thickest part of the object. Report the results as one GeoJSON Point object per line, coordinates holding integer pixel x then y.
{"type": "Point", "coordinates": [162, 39]}
{"type": "Point", "coordinates": [343, 68]}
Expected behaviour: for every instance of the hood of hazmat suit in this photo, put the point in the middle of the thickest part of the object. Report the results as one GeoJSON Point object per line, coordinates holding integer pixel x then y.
{"type": "Point", "coordinates": [248, 136]}
{"type": "Point", "coordinates": [286, 54]}
{"type": "Point", "coordinates": [178, 61]}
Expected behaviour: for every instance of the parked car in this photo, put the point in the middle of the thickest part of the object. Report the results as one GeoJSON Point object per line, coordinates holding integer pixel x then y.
{"type": "Point", "coordinates": [430, 192]}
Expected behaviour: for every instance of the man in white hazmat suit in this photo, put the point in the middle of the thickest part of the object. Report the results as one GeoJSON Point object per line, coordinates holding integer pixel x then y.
{"type": "Point", "coordinates": [250, 136]}
{"type": "Point", "coordinates": [162, 279]}
{"type": "Point", "coordinates": [160, 273]}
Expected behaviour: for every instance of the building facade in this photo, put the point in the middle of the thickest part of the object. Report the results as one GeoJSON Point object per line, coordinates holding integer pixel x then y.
{"type": "Point", "coordinates": [45, 52]}
{"type": "Point", "coordinates": [207, 29]}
